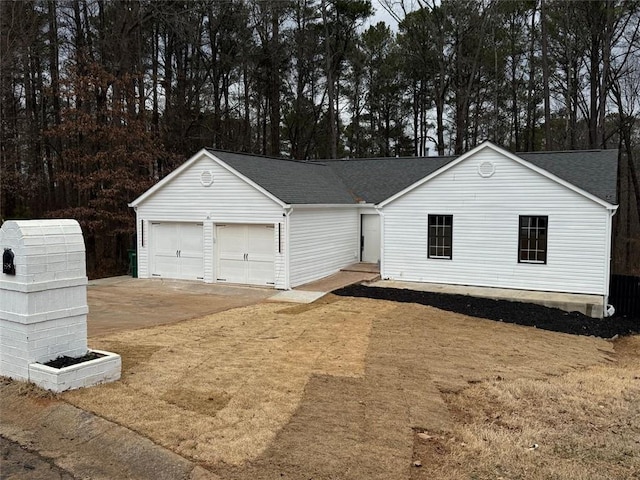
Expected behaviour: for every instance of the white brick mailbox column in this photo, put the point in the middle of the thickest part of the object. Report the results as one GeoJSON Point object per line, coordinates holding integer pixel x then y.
{"type": "Point", "coordinates": [43, 298]}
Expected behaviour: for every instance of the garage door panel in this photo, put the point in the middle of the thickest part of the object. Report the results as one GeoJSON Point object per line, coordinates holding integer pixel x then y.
{"type": "Point", "coordinates": [231, 240]}
{"type": "Point", "coordinates": [260, 272]}
{"type": "Point", "coordinates": [260, 241]}
{"type": "Point", "coordinates": [166, 266]}
{"type": "Point", "coordinates": [165, 258]}
{"type": "Point", "coordinates": [232, 271]}
{"type": "Point", "coordinates": [165, 238]}
{"type": "Point", "coordinates": [245, 254]}
{"type": "Point", "coordinates": [191, 241]}
{"type": "Point", "coordinates": [177, 250]}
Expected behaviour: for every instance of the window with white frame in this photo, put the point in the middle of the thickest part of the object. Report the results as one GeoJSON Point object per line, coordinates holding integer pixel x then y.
{"type": "Point", "coordinates": [532, 239]}
{"type": "Point", "coordinates": [440, 236]}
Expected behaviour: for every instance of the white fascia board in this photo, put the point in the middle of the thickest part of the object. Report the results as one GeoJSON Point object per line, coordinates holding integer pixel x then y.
{"type": "Point", "coordinates": [245, 179]}
{"type": "Point", "coordinates": [511, 156]}
{"type": "Point", "coordinates": [553, 177]}
{"type": "Point", "coordinates": [191, 161]}
{"type": "Point", "coordinates": [167, 179]}
{"type": "Point", "coordinates": [424, 180]}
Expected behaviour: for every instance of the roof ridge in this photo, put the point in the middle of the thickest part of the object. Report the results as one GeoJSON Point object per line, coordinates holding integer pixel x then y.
{"type": "Point", "coordinates": [356, 159]}
{"type": "Point", "coordinates": [259, 155]}
{"type": "Point", "coordinates": [589, 150]}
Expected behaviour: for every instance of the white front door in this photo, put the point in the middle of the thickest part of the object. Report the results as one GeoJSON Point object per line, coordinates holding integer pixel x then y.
{"type": "Point", "coordinates": [177, 250]}
{"type": "Point", "coordinates": [245, 254]}
{"type": "Point", "coordinates": [370, 238]}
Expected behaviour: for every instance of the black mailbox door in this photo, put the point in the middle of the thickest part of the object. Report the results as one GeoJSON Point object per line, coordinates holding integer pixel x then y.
{"type": "Point", "coordinates": [8, 267]}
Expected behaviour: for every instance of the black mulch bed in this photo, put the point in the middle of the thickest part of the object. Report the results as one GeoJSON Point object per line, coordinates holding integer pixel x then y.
{"type": "Point", "coordinates": [65, 361]}
{"type": "Point", "coordinates": [504, 311]}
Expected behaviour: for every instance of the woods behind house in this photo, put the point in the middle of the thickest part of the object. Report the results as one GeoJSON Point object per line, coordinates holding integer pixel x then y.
{"type": "Point", "coordinates": [100, 99]}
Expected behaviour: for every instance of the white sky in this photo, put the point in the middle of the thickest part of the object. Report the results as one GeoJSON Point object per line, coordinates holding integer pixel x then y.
{"type": "Point", "coordinates": [381, 15]}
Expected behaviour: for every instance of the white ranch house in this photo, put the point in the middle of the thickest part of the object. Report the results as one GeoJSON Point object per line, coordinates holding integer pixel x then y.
{"type": "Point", "coordinates": [532, 221]}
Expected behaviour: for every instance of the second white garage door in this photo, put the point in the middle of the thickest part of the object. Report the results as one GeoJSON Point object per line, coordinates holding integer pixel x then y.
{"type": "Point", "coordinates": [245, 254]}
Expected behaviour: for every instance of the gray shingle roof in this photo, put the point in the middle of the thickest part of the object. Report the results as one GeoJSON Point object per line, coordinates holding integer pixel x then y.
{"type": "Point", "coordinates": [376, 179]}
{"type": "Point", "coordinates": [595, 171]}
{"type": "Point", "coordinates": [291, 181]}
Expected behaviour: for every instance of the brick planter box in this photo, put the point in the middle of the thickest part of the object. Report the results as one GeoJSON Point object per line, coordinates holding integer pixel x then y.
{"type": "Point", "coordinates": [85, 374]}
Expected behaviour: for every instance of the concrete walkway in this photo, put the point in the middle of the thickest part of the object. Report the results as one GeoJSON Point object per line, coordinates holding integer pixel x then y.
{"type": "Point", "coordinates": [590, 305]}
{"type": "Point", "coordinates": [310, 292]}
{"type": "Point", "coordinates": [356, 273]}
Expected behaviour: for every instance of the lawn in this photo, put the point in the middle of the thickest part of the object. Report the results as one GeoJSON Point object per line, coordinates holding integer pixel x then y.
{"type": "Point", "coordinates": [360, 388]}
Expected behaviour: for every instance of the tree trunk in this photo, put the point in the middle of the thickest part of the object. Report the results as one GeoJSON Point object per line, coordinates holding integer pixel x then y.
{"type": "Point", "coordinates": [331, 113]}
{"type": "Point", "coordinates": [274, 78]}
{"type": "Point", "coordinates": [545, 77]}
{"type": "Point", "coordinates": [594, 13]}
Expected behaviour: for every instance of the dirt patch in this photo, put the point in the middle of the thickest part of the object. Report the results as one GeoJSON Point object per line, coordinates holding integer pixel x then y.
{"type": "Point", "coordinates": [335, 389]}
{"type": "Point", "coordinates": [20, 463]}
{"type": "Point", "coordinates": [134, 356]}
{"type": "Point", "coordinates": [526, 314]}
{"type": "Point", "coordinates": [207, 403]}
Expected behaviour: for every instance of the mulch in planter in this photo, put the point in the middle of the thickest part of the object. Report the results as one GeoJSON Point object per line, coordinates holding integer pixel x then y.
{"type": "Point", "coordinates": [64, 361]}
{"type": "Point", "coordinates": [527, 314]}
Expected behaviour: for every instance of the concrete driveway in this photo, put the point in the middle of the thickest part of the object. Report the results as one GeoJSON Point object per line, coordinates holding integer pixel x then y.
{"type": "Point", "coordinates": [125, 303]}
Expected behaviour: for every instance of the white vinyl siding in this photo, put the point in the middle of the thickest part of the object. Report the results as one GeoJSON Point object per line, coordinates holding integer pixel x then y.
{"type": "Point", "coordinates": [229, 199]}
{"type": "Point", "coordinates": [486, 215]}
{"type": "Point", "coordinates": [321, 242]}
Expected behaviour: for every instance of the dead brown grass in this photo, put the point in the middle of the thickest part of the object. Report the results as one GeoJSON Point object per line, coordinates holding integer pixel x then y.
{"type": "Point", "coordinates": [333, 390]}
{"type": "Point", "coordinates": [219, 388]}
{"type": "Point", "coordinates": [582, 425]}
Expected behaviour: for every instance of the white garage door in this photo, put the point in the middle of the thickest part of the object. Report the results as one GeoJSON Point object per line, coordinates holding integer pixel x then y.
{"type": "Point", "coordinates": [177, 250]}
{"type": "Point", "coordinates": [245, 254]}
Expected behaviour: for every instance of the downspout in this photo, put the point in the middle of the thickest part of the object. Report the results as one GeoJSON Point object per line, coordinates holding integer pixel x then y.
{"type": "Point", "coordinates": [288, 209]}
{"type": "Point", "coordinates": [139, 239]}
{"type": "Point", "coordinates": [608, 310]}
{"type": "Point", "coordinates": [381, 213]}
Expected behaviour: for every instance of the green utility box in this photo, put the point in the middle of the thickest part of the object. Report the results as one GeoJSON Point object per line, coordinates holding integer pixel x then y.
{"type": "Point", "coordinates": [133, 263]}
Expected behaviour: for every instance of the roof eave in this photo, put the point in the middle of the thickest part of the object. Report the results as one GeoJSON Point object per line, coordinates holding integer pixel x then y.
{"type": "Point", "coordinates": [308, 206]}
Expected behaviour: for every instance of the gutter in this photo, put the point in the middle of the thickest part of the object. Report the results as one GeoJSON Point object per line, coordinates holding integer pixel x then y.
{"type": "Point", "coordinates": [312, 206]}
{"type": "Point", "coordinates": [608, 310]}
{"type": "Point", "coordinates": [382, 262]}
{"type": "Point", "coordinates": [288, 210]}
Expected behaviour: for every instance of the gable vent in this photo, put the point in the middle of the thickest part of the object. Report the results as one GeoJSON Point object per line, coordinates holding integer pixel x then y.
{"type": "Point", "coordinates": [486, 169]}
{"type": "Point", "coordinates": [206, 178]}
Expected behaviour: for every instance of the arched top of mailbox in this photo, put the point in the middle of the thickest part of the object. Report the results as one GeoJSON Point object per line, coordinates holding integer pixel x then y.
{"type": "Point", "coordinates": [29, 233]}
{"type": "Point", "coordinates": [44, 250]}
